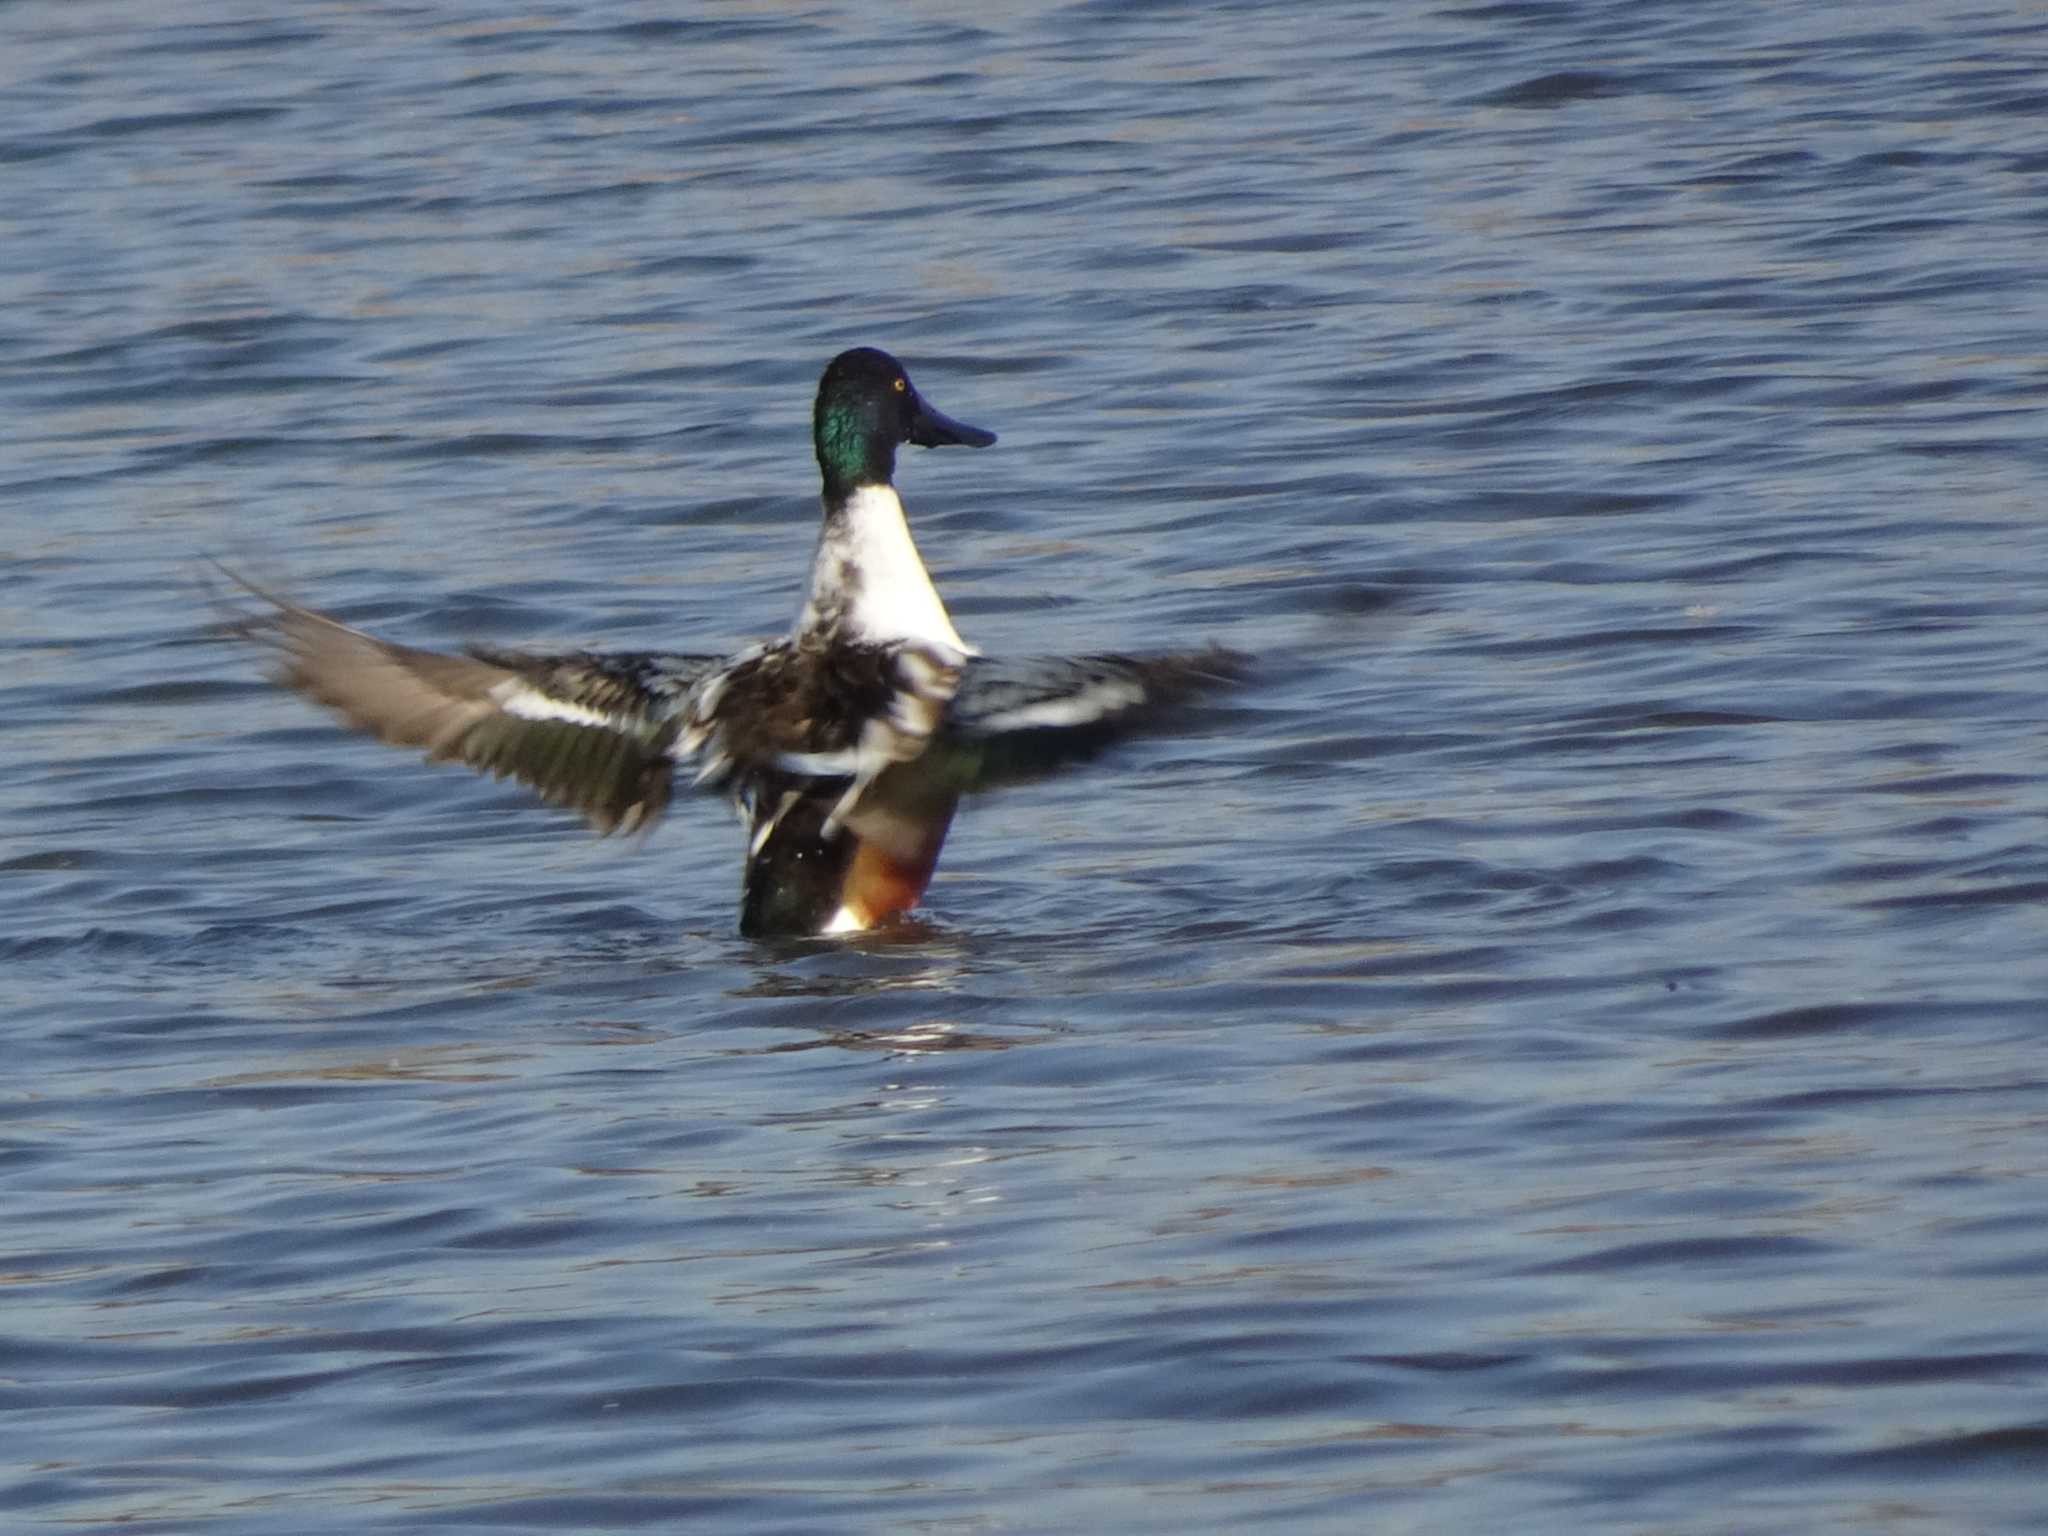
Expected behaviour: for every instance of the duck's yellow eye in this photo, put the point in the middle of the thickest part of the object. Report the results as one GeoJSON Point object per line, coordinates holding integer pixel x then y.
{"type": "Point", "coordinates": [901, 384]}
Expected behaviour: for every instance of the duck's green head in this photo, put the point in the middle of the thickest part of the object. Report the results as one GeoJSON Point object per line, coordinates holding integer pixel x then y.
{"type": "Point", "coordinates": [866, 406]}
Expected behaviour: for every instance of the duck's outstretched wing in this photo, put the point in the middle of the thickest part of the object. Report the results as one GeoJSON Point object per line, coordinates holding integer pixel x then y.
{"type": "Point", "coordinates": [1009, 723]}
{"type": "Point", "coordinates": [592, 733]}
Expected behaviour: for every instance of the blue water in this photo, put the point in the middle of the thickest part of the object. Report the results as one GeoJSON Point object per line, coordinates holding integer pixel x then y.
{"type": "Point", "coordinates": [1561, 1050]}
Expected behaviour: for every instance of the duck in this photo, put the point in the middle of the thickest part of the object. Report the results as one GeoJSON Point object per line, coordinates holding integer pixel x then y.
{"type": "Point", "coordinates": [845, 745]}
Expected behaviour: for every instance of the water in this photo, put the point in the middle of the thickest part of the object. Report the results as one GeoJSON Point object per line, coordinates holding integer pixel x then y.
{"type": "Point", "coordinates": [1562, 1051]}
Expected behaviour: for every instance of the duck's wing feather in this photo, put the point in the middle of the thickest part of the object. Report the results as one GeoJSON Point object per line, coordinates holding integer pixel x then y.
{"type": "Point", "coordinates": [976, 724]}
{"type": "Point", "coordinates": [593, 733]}
{"type": "Point", "coordinates": [826, 713]}
{"type": "Point", "coordinates": [1018, 721]}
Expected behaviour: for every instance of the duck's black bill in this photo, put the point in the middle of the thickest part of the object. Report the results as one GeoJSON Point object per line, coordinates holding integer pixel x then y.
{"type": "Point", "coordinates": [935, 429]}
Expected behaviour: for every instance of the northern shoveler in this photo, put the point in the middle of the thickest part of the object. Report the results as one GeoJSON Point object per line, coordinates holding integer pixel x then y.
{"type": "Point", "coordinates": [845, 746]}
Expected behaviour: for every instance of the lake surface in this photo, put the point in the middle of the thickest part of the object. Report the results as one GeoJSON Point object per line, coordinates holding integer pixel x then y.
{"type": "Point", "coordinates": [1563, 1049]}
